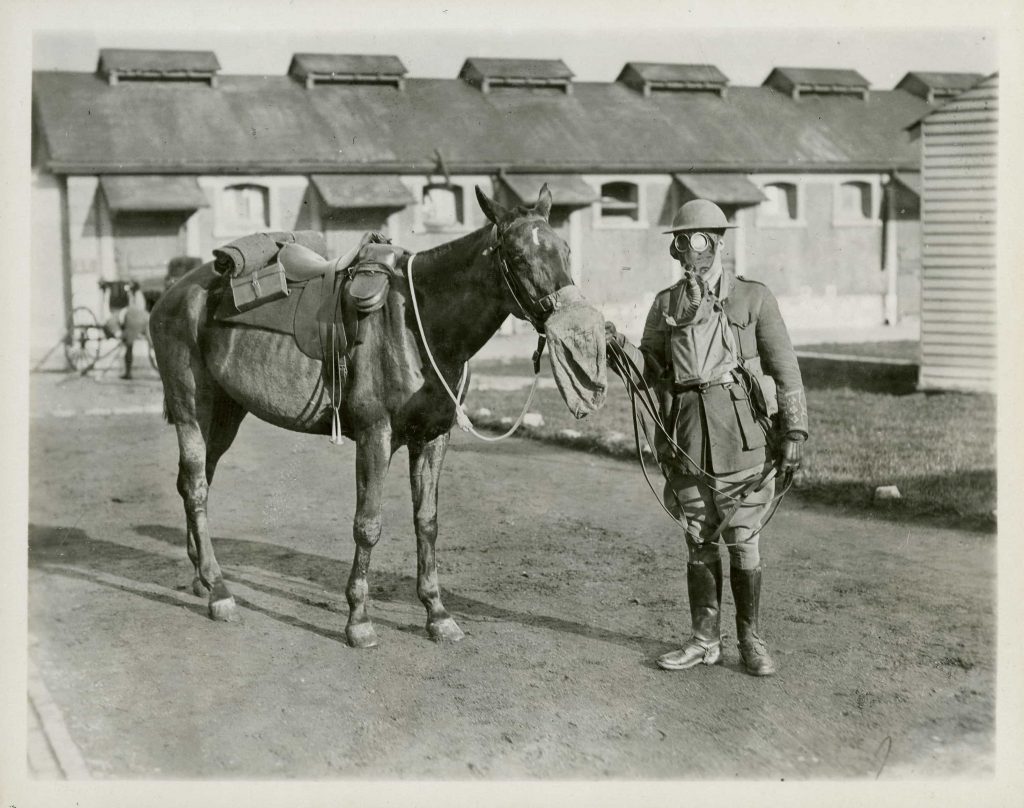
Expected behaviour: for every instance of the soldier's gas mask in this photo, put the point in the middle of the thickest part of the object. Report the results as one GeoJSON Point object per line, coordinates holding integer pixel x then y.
{"type": "Point", "coordinates": [696, 250]}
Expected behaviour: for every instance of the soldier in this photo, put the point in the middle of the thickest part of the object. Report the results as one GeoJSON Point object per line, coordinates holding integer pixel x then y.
{"type": "Point", "coordinates": [714, 347]}
{"type": "Point", "coordinates": [128, 319]}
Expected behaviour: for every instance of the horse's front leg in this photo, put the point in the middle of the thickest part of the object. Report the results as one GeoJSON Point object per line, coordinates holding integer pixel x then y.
{"type": "Point", "coordinates": [373, 457]}
{"type": "Point", "coordinates": [425, 461]}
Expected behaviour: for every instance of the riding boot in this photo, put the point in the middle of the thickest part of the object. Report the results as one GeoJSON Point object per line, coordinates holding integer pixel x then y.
{"type": "Point", "coordinates": [746, 591]}
{"type": "Point", "coordinates": [704, 647]}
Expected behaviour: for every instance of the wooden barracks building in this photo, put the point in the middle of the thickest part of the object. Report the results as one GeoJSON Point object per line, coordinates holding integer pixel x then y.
{"type": "Point", "coordinates": [156, 155]}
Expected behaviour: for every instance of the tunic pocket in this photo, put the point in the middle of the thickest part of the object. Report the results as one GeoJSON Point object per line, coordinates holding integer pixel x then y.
{"type": "Point", "coordinates": [753, 434]}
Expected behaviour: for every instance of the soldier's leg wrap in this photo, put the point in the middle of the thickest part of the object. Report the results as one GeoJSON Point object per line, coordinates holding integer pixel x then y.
{"type": "Point", "coordinates": [703, 577]}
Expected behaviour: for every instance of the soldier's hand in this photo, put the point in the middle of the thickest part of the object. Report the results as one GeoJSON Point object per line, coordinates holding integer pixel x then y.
{"type": "Point", "coordinates": [611, 333]}
{"type": "Point", "coordinates": [792, 454]}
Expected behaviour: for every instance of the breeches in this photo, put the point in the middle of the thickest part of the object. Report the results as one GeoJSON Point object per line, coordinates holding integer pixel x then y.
{"type": "Point", "coordinates": [704, 501]}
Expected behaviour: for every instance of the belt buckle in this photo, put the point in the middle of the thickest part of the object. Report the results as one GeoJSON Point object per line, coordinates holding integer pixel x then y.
{"type": "Point", "coordinates": [703, 386]}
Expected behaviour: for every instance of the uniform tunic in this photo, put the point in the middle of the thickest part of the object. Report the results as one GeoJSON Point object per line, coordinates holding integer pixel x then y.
{"type": "Point", "coordinates": [716, 427]}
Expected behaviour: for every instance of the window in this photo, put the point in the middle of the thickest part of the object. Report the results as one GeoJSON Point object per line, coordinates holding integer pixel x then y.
{"type": "Point", "coordinates": [244, 208]}
{"type": "Point", "coordinates": [780, 204]}
{"type": "Point", "coordinates": [853, 202]}
{"type": "Point", "coordinates": [442, 207]}
{"type": "Point", "coordinates": [620, 203]}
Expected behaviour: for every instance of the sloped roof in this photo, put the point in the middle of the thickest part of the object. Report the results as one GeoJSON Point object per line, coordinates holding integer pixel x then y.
{"type": "Point", "coordinates": [931, 86]}
{"type": "Point", "coordinates": [344, 191]}
{"type": "Point", "coordinates": [566, 189]}
{"type": "Point", "coordinates": [135, 192]}
{"type": "Point", "coordinates": [819, 77]}
{"type": "Point", "coordinates": [138, 60]}
{"type": "Point", "coordinates": [726, 189]}
{"type": "Point", "coordinates": [275, 125]}
{"type": "Point", "coordinates": [661, 71]}
{"type": "Point", "coordinates": [516, 68]}
{"type": "Point", "coordinates": [330, 64]}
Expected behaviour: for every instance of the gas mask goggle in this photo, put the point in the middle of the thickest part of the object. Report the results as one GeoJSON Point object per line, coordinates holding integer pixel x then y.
{"type": "Point", "coordinates": [695, 250]}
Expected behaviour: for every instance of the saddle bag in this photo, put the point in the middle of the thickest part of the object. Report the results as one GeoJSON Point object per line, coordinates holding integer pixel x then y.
{"type": "Point", "coordinates": [258, 287]}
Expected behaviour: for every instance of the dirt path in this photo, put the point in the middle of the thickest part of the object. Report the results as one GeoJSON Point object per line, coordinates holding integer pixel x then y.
{"type": "Point", "coordinates": [568, 581]}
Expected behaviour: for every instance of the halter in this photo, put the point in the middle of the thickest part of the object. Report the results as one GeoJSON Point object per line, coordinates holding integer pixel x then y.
{"type": "Point", "coordinates": [545, 305]}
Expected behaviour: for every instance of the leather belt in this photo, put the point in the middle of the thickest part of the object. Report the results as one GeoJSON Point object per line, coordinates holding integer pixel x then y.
{"type": "Point", "coordinates": [700, 387]}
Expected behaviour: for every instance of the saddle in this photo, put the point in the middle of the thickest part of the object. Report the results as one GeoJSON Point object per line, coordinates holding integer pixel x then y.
{"type": "Point", "coordinates": [319, 293]}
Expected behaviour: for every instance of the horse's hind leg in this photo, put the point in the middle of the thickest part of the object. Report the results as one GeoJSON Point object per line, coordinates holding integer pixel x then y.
{"type": "Point", "coordinates": [225, 418]}
{"type": "Point", "coordinates": [425, 461]}
{"type": "Point", "coordinates": [373, 457]}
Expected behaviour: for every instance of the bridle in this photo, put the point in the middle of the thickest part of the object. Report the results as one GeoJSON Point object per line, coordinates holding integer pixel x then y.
{"type": "Point", "coordinates": [539, 309]}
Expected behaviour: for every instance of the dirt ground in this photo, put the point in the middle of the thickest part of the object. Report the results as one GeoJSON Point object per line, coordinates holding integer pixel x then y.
{"type": "Point", "coordinates": [568, 581]}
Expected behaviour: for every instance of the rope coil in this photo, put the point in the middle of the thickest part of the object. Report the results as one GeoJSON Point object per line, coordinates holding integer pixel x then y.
{"type": "Point", "coordinates": [637, 389]}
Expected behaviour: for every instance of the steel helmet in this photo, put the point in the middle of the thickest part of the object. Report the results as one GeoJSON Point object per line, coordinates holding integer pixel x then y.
{"type": "Point", "coordinates": [699, 214]}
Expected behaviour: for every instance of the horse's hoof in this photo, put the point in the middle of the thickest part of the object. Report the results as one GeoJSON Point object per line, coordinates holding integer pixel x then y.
{"type": "Point", "coordinates": [446, 630]}
{"type": "Point", "coordinates": [199, 588]}
{"type": "Point", "coordinates": [224, 610]}
{"type": "Point", "coordinates": [361, 635]}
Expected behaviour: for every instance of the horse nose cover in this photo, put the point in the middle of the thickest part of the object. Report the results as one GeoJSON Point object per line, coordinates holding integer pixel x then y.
{"type": "Point", "coordinates": [576, 342]}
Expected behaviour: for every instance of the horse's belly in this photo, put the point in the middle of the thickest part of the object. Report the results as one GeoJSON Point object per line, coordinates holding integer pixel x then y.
{"type": "Point", "coordinates": [267, 374]}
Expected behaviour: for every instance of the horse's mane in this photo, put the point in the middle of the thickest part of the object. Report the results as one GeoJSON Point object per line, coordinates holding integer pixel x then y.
{"type": "Point", "coordinates": [443, 251]}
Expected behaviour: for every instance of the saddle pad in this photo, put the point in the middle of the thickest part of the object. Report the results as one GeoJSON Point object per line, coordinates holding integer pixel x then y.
{"type": "Point", "coordinates": [306, 314]}
{"type": "Point", "coordinates": [277, 315]}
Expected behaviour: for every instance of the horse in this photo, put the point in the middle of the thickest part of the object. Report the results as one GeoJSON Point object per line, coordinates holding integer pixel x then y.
{"type": "Point", "coordinates": [213, 374]}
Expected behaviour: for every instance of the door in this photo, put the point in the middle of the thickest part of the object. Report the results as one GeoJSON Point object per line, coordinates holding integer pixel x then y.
{"type": "Point", "coordinates": [145, 241]}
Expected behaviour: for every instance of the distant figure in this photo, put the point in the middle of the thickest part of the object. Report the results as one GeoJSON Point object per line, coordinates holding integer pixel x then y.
{"type": "Point", "coordinates": [179, 267]}
{"type": "Point", "coordinates": [128, 321]}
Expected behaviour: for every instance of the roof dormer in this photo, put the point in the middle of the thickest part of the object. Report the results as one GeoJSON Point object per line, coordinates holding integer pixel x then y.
{"type": "Point", "coordinates": [533, 73]}
{"type": "Point", "coordinates": [799, 81]}
{"type": "Point", "coordinates": [336, 68]}
{"type": "Point", "coordinates": [933, 87]}
{"type": "Point", "coordinates": [653, 77]}
{"type": "Point", "coordinates": [131, 64]}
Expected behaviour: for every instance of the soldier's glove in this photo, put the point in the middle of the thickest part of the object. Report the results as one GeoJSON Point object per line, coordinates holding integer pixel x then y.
{"type": "Point", "coordinates": [611, 334]}
{"type": "Point", "coordinates": [792, 452]}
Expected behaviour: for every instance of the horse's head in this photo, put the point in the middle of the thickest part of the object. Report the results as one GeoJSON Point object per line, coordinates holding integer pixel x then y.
{"type": "Point", "coordinates": [533, 264]}
{"type": "Point", "coordinates": [532, 259]}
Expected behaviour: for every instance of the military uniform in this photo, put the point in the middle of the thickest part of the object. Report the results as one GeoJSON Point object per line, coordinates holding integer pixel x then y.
{"type": "Point", "coordinates": [719, 421]}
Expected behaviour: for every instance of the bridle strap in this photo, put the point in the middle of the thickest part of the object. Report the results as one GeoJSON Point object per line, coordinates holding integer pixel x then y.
{"type": "Point", "coordinates": [546, 304]}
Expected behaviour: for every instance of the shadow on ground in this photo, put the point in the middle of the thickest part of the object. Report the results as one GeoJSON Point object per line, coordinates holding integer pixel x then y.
{"type": "Point", "coordinates": [72, 552]}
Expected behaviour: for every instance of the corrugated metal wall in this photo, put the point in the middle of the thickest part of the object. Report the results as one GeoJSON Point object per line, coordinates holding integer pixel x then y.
{"type": "Point", "coordinates": [958, 230]}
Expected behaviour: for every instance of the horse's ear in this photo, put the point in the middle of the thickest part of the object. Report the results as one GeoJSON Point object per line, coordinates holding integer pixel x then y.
{"type": "Point", "coordinates": [543, 206]}
{"type": "Point", "coordinates": [492, 210]}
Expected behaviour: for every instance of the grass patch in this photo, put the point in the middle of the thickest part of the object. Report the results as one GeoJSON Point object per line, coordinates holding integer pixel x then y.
{"type": "Point", "coordinates": [866, 431]}
{"type": "Point", "coordinates": [909, 349]}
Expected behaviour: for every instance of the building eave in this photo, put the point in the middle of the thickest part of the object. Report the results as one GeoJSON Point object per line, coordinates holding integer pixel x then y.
{"type": "Point", "coordinates": [429, 167]}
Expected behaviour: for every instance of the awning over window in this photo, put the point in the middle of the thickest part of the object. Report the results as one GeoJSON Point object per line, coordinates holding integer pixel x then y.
{"type": "Point", "coordinates": [910, 181]}
{"type": "Point", "coordinates": [343, 191]}
{"type": "Point", "coordinates": [723, 189]}
{"type": "Point", "coordinates": [566, 189]}
{"type": "Point", "coordinates": [152, 192]}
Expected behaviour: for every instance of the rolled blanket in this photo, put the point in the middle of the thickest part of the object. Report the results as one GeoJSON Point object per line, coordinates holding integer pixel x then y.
{"type": "Point", "coordinates": [256, 251]}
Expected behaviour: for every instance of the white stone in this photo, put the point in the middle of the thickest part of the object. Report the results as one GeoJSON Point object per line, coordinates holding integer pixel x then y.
{"type": "Point", "coordinates": [534, 419]}
{"type": "Point", "coordinates": [506, 421]}
{"type": "Point", "coordinates": [571, 434]}
{"type": "Point", "coordinates": [887, 492]}
{"type": "Point", "coordinates": [483, 412]}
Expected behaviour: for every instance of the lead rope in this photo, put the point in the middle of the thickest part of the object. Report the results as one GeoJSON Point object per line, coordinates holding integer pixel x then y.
{"type": "Point", "coordinates": [461, 417]}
